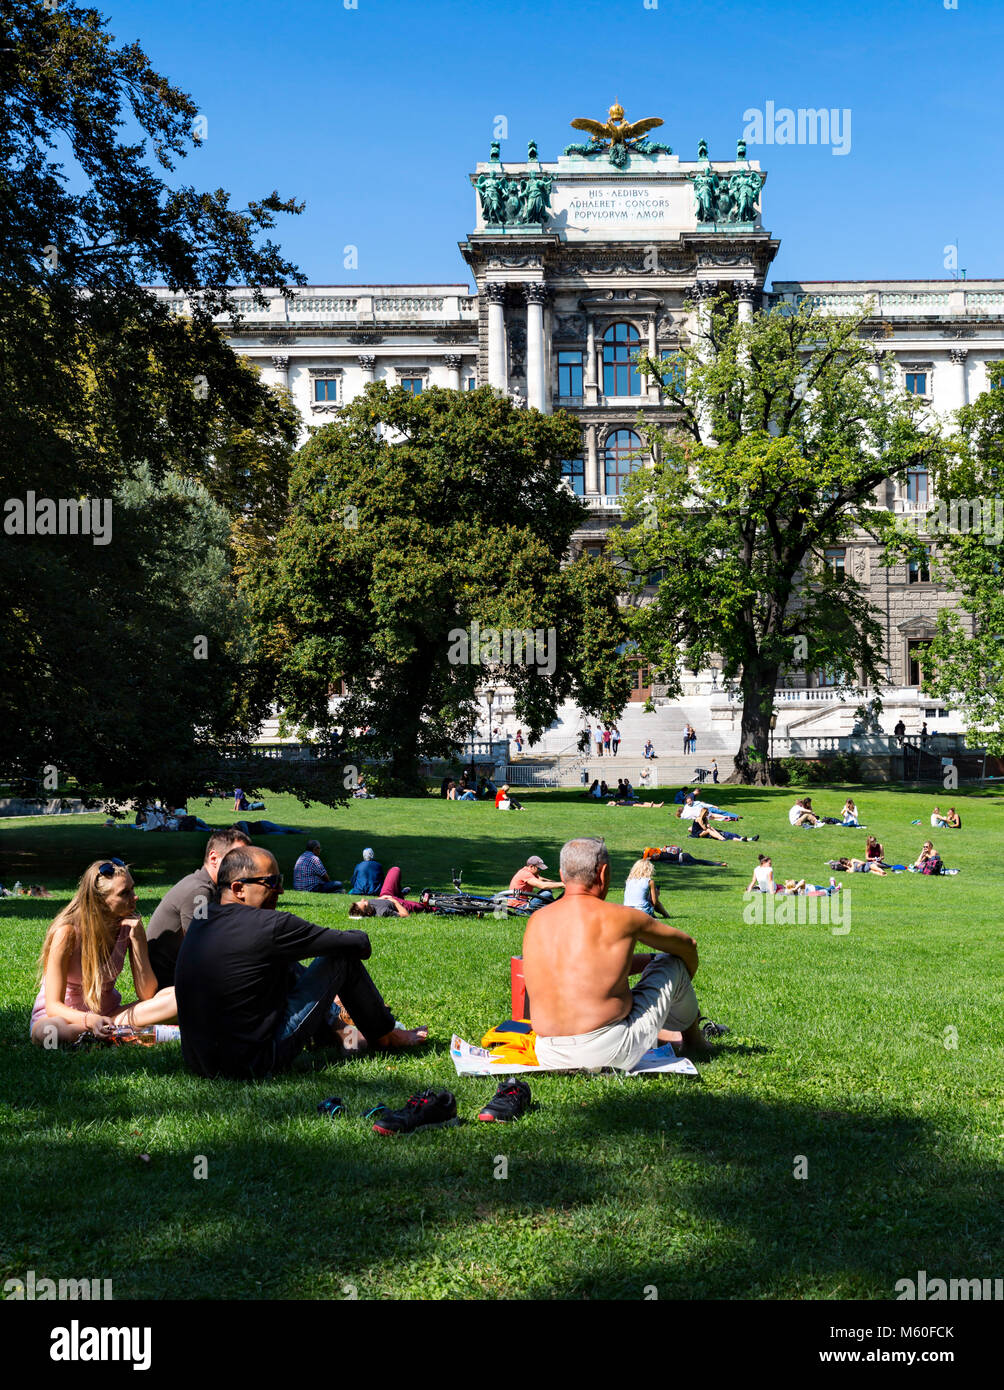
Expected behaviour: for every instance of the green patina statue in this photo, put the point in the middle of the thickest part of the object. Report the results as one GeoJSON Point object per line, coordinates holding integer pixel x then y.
{"type": "Point", "coordinates": [514, 200]}
{"type": "Point", "coordinates": [728, 200]}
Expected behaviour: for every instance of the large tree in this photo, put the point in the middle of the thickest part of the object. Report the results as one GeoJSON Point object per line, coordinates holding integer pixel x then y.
{"type": "Point", "coordinates": [98, 378]}
{"type": "Point", "coordinates": [427, 535]}
{"type": "Point", "coordinates": [786, 426]}
{"type": "Point", "coordinates": [966, 658]}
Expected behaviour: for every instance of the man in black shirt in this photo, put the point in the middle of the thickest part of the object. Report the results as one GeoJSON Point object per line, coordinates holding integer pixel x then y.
{"type": "Point", "coordinates": [187, 899]}
{"type": "Point", "coordinates": [241, 1014]}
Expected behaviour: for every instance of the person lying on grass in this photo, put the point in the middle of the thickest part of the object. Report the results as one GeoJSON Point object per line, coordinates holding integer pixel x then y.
{"type": "Point", "coordinates": [693, 806]}
{"type": "Point", "coordinates": [639, 805]}
{"type": "Point", "coordinates": [673, 854]}
{"type": "Point", "coordinates": [702, 829]}
{"type": "Point", "coordinates": [578, 955]}
{"type": "Point", "coordinates": [245, 1006]}
{"type": "Point", "coordinates": [857, 866]}
{"type": "Point", "coordinates": [83, 955]}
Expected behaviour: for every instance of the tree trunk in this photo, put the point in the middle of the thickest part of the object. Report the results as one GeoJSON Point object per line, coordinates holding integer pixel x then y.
{"type": "Point", "coordinates": [753, 763]}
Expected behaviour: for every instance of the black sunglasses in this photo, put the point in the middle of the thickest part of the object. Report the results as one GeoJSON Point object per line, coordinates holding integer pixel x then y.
{"type": "Point", "coordinates": [107, 869]}
{"type": "Point", "coordinates": [269, 880]}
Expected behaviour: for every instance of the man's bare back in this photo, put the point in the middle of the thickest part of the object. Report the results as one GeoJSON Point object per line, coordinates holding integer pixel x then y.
{"type": "Point", "coordinates": [578, 954]}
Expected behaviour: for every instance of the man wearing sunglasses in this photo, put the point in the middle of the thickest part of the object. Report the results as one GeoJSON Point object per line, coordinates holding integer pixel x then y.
{"type": "Point", "coordinates": [244, 1010]}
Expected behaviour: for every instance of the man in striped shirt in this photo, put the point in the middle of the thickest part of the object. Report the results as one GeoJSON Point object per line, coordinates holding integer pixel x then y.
{"type": "Point", "coordinates": [310, 875]}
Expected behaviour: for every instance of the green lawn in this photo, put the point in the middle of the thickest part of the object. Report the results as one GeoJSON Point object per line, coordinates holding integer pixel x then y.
{"type": "Point", "coordinates": [836, 1054]}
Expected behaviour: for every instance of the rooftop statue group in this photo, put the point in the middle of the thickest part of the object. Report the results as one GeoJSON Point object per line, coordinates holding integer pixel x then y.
{"type": "Point", "coordinates": [519, 200]}
{"type": "Point", "coordinates": [727, 197]}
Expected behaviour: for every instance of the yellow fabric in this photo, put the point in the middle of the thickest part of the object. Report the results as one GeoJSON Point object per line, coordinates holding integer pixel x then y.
{"type": "Point", "coordinates": [507, 1046]}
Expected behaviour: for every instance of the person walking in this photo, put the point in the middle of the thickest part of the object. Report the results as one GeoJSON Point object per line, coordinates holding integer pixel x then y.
{"type": "Point", "coordinates": [615, 740]}
{"type": "Point", "coordinates": [598, 737]}
{"type": "Point", "coordinates": [714, 769]}
{"type": "Point", "coordinates": [606, 740]}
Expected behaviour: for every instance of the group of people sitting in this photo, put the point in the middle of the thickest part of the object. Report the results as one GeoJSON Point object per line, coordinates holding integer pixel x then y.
{"type": "Point", "coordinates": [951, 820]}
{"type": "Point", "coordinates": [468, 786]}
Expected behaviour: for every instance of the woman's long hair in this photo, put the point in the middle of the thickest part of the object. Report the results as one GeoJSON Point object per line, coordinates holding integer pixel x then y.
{"type": "Point", "coordinates": [642, 868]}
{"type": "Point", "coordinates": [94, 928]}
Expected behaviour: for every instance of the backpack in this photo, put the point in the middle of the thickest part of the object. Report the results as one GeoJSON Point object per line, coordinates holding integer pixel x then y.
{"type": "Point", "coordinates": [933, 866]}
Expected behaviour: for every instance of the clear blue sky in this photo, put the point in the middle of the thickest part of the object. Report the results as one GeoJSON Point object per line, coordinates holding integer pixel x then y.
{"type": "Point", "coordinates": [374, 116]}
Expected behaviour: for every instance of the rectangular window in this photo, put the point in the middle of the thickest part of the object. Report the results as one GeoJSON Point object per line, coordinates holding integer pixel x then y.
{"type": "Point", "coordinates": [916, 657]}
{"type": "Point", "coordinates": [326, 389]}
{"type": "Point", "coordinates": [574, 473]}
{"type": "Point", "coordinates": [471, 383]}
{"type": "Point", "coordinates": [827, 676]}
{"type": "Point", "coordinates": [593, 552]}
{"type": "Point", "coordinates": [569, 373]}
{"type": "Point", "coordinates": [916, 383]}
{"type": "Point", "coordinates": [834, 561]}
{"type": "Point", "coordinates": [675, 379]}
{"type": "Point", "coordinates": [919, 571]}
{"type": "Point", "coordinates": [412, 384]}
{"type": "Point", "coordinates": [917, 484]}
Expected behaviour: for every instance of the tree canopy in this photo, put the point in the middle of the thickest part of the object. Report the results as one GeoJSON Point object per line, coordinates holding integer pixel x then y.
{"type": "Point", "coordinates": [423, 557]}
{"type": "Point", "coordinates": [786, 427]}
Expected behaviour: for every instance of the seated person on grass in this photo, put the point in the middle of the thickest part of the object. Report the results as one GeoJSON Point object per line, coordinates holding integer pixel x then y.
{"type": "Point", "coordinates": [245, 1006]}
{"type": "Point", "coordinates": [367, 875]}
{"type": "Point", "coordinates": [640, 890]}
{"type": "Point", "coordinates": [188, 898]}
{"type": "Point", "coordinates": [953, 820]}
{"type": "Point", "coordinates": [849, 815]}
{"type": "Point", "coordinates": [803, 814]}
{"type": "Point", "coordinates": [578, 954]}
{"type": "Point", "coordinates": [83, 955]}
{"type": "Point", "coordinates": [310, 875]}
{"type": "Point", "coordinates": [527, 887]}
{"type": "Point", "coordinates": [938, 821]}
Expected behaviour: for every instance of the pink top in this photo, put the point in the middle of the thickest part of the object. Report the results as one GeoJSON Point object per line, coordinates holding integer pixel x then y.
{"type": "Point", "coordinates": [73, 998]}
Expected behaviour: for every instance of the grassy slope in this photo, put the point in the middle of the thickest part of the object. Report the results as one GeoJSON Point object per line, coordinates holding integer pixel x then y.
{"type": "Point", "coordinates": [612, 1184]}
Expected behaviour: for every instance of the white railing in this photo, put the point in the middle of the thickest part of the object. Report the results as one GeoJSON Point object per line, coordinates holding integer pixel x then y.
{"type": "Point", "coordinates": [323, 305]}
{"type": "Point", "coordinates": [532, 775]}
{"type": "Point", "coordinates": [403, 305]}
{"type": "Point", "coordinates": [604, 502]}
{"type": "Point", "coordinates": [906, 506]}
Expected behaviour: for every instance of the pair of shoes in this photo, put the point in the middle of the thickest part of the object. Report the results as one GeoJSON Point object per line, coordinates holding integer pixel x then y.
{"type": "Point", "coordinates": [434, 1109]}
{"type": "Point", "coordinates": [332, 1107]}
{"type": "Point", "coordinates": [430, 1109]}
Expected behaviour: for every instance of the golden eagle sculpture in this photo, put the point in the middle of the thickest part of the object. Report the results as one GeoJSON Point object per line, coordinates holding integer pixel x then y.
{"type": "Point", "coordinates": [615, 136]}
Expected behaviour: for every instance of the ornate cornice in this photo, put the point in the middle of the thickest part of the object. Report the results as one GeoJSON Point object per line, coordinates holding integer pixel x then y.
{"type": "Point", "coordinates": [325, 371]}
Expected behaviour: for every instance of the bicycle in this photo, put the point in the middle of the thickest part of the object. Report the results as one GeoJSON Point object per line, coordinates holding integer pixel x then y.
{"type": "Point", "coordinates": [461, 904]}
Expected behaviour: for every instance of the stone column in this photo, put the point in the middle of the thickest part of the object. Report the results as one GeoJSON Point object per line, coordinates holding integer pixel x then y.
{"type": "Point", "coordinates": [703, 292]}
{"type": "Point", "coordinates": [452, 362]}
{"type": "Point", "coordinates": [498, 375]}
{"type": "Point", "coordinates": [281, 364]}
{"type": "Point", "coordinates": [592, 464]}
{"type": "Point", "coordinates": [368, 362]}
{"type": "Point", "coordinates": [590, 384]}
{"type": "Point", "coordinates": [958, 356]}
{"type": "Point", "coordinates": [746, 292]}
{"type": "Point", "coordinates": [536, 384]}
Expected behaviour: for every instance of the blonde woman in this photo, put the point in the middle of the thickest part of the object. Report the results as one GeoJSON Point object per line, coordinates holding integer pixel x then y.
{"type": "Point", "coordinates": [640, 891]}
{"type": "Point", "coordinates": [83, 955]}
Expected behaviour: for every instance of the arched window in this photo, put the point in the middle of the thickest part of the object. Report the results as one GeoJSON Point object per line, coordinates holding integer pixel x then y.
{"type": "Point", "coordinates": [622, 454]}
{"type": "Point", "coordinates": [621, 342]}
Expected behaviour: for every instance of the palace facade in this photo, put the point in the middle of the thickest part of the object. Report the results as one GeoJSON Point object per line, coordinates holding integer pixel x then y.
{"type": "Point", "coordinates": [580, 262]}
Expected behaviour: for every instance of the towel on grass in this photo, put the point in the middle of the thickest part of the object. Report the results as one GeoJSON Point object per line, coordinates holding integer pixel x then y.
{"type": "Point", "coordinates": [479, 1061]}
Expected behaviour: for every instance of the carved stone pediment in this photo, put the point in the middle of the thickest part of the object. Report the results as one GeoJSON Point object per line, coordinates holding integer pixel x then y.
{"type": "Point", "coordinates": [919, 629]}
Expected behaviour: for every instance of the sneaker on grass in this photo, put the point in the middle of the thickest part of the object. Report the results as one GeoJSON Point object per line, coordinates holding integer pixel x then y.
{"type": "Point", "coordinates": [511, 1099]}
{"type": "Point", "coordinates": [428, 1110]}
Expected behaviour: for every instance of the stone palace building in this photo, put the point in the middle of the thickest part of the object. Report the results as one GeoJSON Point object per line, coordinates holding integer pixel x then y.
{"type": "Point", "coordinates": [577, 264]}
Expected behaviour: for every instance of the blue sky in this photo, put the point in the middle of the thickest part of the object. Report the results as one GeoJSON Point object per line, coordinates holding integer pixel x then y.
{"type": "Point", "coordinates": [374, 115]}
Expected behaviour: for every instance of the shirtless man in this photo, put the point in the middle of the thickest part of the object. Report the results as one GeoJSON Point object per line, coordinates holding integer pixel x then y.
{"type": "Point", "coordinates": [577, 956]}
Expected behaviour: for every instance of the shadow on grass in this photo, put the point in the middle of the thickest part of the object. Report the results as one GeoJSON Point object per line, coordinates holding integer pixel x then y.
{"type": "Point", "coordinates": [611, 1185]}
